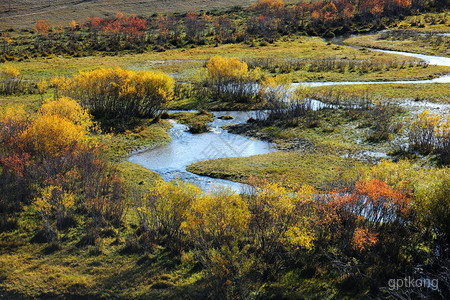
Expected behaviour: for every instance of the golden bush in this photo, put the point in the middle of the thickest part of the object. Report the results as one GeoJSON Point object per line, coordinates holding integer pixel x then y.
{"type": "Point", "coordinates": [52, 134]}
{"type": "Point", "coordinates": [69, 109]}
{"type": "Point", "coordinates": [120, 93]}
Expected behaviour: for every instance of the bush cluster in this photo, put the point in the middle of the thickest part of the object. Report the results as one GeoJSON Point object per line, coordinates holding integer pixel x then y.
{"type": "Point", "coordinates": [49, 159]}
{"type": "Point", "coordinates": [229, 80]}
{"type": "Point", "coordinates": [244, 240]}
{"type": "Point", "coordinates": [430, 133]}
{"type": "Point", "coordinates": [283, 66]}
{"type": "Point", "coordinates": [118, 93]}
{"type": "Point", "coordinates": [12, 82]}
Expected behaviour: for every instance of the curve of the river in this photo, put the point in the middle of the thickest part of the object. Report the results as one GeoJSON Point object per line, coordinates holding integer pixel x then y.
{"type": "Point", "coordinates": [170, 161]}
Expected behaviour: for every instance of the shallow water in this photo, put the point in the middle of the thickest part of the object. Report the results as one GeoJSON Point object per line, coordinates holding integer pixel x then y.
{"type": "Point", "coordinates": [170, 161]}
{"type": "Point", "coordinates": [442, 79]}
{"type": "Point", "coordinates": [430, 59]}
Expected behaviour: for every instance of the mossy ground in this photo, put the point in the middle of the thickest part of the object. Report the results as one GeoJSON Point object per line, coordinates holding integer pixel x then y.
{"type": "Point", "coordinates": [114, 271]}
{"type": "Point", "coordinates": [107, 270]}
{"type": "Point", "coordinates": [144, 136]}
{"type": "Point", "coordinates": [428, 22]}
{"type": "Point", "coordinates": [136, 176]}
{"type": "Point", "coordinates": [317, 170]}
{"type": "Point", "coordinates": [192, 118]}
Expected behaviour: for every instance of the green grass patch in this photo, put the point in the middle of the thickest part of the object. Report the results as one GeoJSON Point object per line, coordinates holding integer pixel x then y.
{"type": "Point", "coordinates": [317, 170]}
{"type": "Point", "coordinates": [321, 148]}
{"type": "Point", "coordinates": [141, 137]}
{"type": "Point", "coordinates": [197, 122]}
{"type": "Point", "coordinates": [428, 22]}
{"type": "Point", "coordinates": [189, 118]}
{"type": "Point", "coordinates": [136, 176]}
{"type": "Point", "coordinates": [404, 73]}
{"type": "Point", "coordinates": [104, 271]}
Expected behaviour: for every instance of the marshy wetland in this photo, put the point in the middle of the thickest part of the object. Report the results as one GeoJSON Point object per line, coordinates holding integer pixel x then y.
{"type": "Point", "coordinates": [282, 150]}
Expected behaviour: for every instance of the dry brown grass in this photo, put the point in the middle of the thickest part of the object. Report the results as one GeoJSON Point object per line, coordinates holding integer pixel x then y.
{"type": "Point", "coordinates": [25, 13]}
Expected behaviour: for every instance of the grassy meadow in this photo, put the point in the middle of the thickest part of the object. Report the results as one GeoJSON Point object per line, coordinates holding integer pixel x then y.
{"type": "Point", "coordinates": [184, 63]}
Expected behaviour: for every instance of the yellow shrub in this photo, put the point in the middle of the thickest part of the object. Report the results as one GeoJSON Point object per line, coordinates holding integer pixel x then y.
{"type": "Point", "coordinates": [428, 188]}
{"type": "Point", "coordinates": [397, 175]}
{"type": "Point", "coordinates": [421, 131]}
{"type": "Point", "coordinates": [9, 72]}
{"type": "Point", "coordinates": [42, 86]}
{"type": "Point", "coordinates": [54, 203]}
{"type": "Point", "coordinates": [120, 92]}
{"type": "Point", "coordinates": [50, 134]}
{"type": "Point", "coordinates": [10, 80]}
{"type": "Point", "coordinates": [278, 214]}
{"type": "Point", "coordinates": [218, 216]}
{"type": "Point", "coordinates": [164, 208]}
{"type": "Point", "coordinates": [13, 113]}
{"type": "Point", "coordinates": [155, 84]}
{"type": "Point", "coordinates": [69, 109]}
{"type": "Point", "coordinates": [54, 199]}
{"type": "Point", "coordinates": [220, 68]}
{"type": "Point", "coordinates": [229, 80]}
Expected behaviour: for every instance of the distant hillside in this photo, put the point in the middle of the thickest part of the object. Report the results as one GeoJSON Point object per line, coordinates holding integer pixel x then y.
{"type": "Point", "coordinates": [25, 13]}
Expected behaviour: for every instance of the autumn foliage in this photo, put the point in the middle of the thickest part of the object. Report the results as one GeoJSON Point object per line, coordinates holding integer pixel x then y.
{"type": "Point", "coordinates": [264, 19]}
{"type": "Point", "coordinates": [50, 158]}
{"type": "Point", "coordinates": [229, 79]}
{"type": "Point", "coordinates": [221, 226]}
{"type": "Point", "coordinates": [41, 27]}
{"type": "Point", "coordinates": [269, 228]}
{"type": "Point", "coordinates": [379, 224]}
{"type": "Point", "coordinates": [119, 93]}
{"type": "Point", "coordinates": [10, 80]}
{"type": "Point", "coordinates": [430, 133]}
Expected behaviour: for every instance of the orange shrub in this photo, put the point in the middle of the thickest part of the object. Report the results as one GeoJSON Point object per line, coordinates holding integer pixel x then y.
{"type": "Point", "coordinates": [363, 239]}
{"type": "Point", "coordinates": [41, 27]}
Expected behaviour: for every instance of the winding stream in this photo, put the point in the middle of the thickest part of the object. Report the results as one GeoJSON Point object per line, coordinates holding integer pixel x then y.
{"type": "Point", "coordinates": [429, 59]}
{"type": "Point", "coordinates": [170, 161]}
